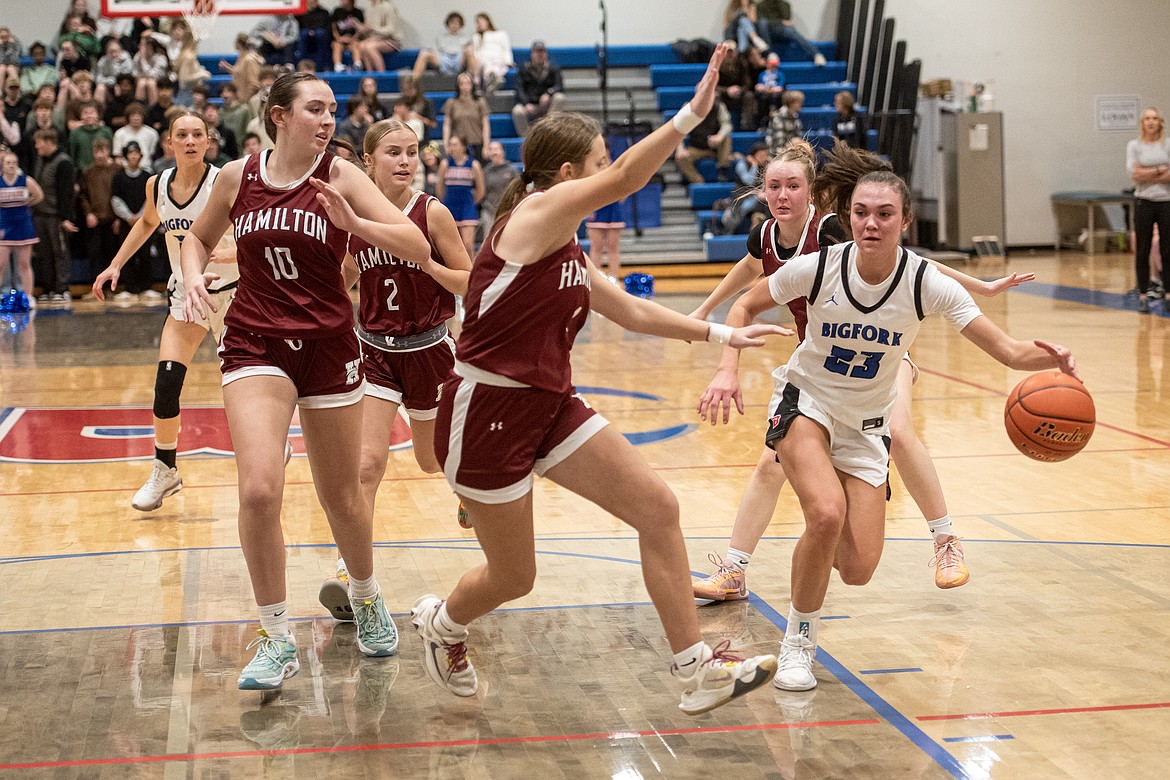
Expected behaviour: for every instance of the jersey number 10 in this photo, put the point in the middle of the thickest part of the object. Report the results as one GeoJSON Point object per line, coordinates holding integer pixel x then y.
{"type": "Point", "coordinates": [280, 258]}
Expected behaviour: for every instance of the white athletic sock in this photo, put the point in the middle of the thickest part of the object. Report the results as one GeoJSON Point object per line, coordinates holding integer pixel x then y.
{"type": "Point", "coordinates": [803, 623]}
{"type": "Point", "coordinates": [363, 590]}
{"type": "Point", "coordinates": [446, 625]}
{"type": "Point", "coordinates": [940, 527]}
{"type": "Point", "coordinates": [341, 567]}
{"type": "Point", "coordinates": [274, 620]}
{"type": "Point", "coordinates": [738, 557]}
{"type": "Point", "coordinates": [688, 660]}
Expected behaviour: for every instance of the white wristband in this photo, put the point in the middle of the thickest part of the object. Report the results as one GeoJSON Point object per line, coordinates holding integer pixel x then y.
{"type": "Point", "coordinates": [686, 120]}
{"type": "Point", "coordinates": [718, 334]}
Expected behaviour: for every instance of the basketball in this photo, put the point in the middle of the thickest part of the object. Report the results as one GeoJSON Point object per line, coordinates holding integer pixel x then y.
{"type": "Point", "coordinates": [1050, 417]}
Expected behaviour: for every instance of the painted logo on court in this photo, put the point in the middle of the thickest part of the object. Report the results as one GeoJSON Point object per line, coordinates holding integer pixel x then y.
{"type": "Point", "coordinates": [123, 433]}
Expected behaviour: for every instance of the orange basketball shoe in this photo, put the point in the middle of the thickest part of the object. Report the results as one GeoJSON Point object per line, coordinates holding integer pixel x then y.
{"type": "Point", "coordinates": [728, 583]}
{"type": "Point", "coordinates": [950, 565]}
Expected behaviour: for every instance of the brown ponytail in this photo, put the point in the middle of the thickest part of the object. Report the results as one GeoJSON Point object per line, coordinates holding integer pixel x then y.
{"type": "Point", "coordinates": [844, 167]}
{"type": "Point", "coordinates": [564, 137]}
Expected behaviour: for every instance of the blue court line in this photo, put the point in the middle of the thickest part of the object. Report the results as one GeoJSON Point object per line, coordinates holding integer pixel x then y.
{"type": "Point", "coordinates": [982, 738]}
{"type": "Point", "coordinates": [890, 671]}
{"type": "Point", "coordinates": [868, 695]}
{"type": "Point", "coordinates": [307, 619]}
{"type": "Point", "coordinates": [445, 542]}
{"type": "Point", "coordinates": [1104, 300]}
{"type": "Point", "coordinates": [583, 390]}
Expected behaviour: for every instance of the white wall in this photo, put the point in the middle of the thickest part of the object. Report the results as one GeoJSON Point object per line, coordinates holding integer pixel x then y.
{"type": "Point", "coordinates": [1044, 60]}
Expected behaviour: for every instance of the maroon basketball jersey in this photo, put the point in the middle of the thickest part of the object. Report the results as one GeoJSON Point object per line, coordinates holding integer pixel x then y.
{"type": "Point", "coordinates": [770, 257]}
{"type": "Point", "coordinates": [521, 320]}
{"type": "Point", "coordinates": [397, 297]}
{"type": "Point", "coordinates": [289, 255]}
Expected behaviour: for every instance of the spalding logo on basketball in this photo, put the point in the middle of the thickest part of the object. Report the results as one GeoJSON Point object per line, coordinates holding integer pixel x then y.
{"type": "Point", "coordinates": [1050, 417]}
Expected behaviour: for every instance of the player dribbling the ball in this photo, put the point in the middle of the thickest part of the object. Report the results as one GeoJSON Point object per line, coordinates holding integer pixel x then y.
{"type": "Point", "coordinates": [830, 411]}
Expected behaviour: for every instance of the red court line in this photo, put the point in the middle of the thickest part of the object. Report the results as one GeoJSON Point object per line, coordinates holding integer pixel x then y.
{"type": "Point", "coordinates": [538, 739]}
{"type": "Point", "coordinates": [1002, 394]}
{"type": "Point", "coordinates": [1059, 711]}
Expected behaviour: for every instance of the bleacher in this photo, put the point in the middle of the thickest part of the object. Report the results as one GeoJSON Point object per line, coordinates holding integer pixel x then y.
{"type": "Point", "coordinates": [654, 69]}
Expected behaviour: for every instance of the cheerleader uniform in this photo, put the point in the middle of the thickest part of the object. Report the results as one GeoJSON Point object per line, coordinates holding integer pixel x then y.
{"type": "Point", "coordinates": [459, 194]}
{"type": "Point", "coordinates": [16, 225]}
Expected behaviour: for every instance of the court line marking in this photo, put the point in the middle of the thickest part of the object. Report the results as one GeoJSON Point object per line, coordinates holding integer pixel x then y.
{"type": "Point", "coordinates": [870, 697]}
{"type": "Point", "coordinates": [307, 619]}
{"type": "Point", "coordinates": [984, 738]}
{"type": "Point", "coordinates": [1156, 705]}
{"type": "Point", "coordinates": [535, 739]}
{"type": "Point", "coordinates": [424, 542]}
{"type": "Point", "coordinates": [893, 716]}
{"type": "Point", "coordinates": [890, 671]}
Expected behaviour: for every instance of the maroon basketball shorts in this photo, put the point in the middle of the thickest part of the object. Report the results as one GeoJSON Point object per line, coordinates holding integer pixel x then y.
{"type": "Point", "coordinates": [326, 372]}
{"type": "Point", "coordinates": [490, 440]}
{"type": "Point", "coordinates": [413, 380]}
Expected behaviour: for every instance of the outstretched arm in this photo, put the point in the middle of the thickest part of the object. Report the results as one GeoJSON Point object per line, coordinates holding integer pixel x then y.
{"type": "Point", "coordinates": [554, 217]}
{"type": "Point", "coordinates": [744, 273]}
{"type": "Point", "coordinates": [1020, 355]}
{"type": "Point", "coordinates": [724, 388]}
{"type": "Point", "coordinates": [978, 286]}
{"type": "Point", "coordinates": [356, 205]}
{"type": "Point", "coordinates": [644, 316]}
{"type": "Point", "coordinates": [142, 230]}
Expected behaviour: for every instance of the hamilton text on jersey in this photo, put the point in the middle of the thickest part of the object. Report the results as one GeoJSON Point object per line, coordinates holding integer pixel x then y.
{"type": "Point", "coordinates": [372, 257]}
{"type": "Point", "coordinates": [573, 272]}
{"type": "Point", "coordinates": [857, 330]}
{"type": "Point", "coordinates": [285, 220]}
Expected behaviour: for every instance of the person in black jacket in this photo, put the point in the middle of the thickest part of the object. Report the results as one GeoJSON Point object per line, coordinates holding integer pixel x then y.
{"type": "Point", "coordinates": [53, 216]}
{"type": "Point", "coordinates": [540, 89]}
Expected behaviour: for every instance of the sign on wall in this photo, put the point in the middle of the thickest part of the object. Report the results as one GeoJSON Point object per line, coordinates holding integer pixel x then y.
{"type": "Point", "coordinates": [1117, 112]}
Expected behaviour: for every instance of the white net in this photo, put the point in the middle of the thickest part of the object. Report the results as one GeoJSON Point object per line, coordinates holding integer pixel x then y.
{"type": "Point", "coordinates": [200, 16]}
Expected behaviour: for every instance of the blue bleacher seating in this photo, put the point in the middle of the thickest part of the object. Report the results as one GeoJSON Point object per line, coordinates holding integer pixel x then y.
{"type": "Point", "coordinates": [704, 195]}
{"type": "Point", "coordinates": [725, 248]}
{"type": "Point", "coordinates": [688, 75]}
{"type": "Point", "coordinates": [501, 125]}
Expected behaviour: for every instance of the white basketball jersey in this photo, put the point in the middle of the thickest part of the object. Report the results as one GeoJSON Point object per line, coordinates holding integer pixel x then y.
{"type": "Point", "coordinates": [176, 219]}
{"type": "Point", "coordinates": [858, 333]}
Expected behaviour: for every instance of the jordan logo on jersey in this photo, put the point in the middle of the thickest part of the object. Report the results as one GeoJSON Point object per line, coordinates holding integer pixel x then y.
{"type": "Point", "coordinates": [573, 273]}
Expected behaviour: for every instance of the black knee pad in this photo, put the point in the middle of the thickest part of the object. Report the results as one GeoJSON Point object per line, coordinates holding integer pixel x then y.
{"type": "Point", "coordinates": [168, 385]}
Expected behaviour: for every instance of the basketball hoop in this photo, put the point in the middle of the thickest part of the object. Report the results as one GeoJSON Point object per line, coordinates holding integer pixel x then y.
{"type": "Point", "coordinates": [200, 16]}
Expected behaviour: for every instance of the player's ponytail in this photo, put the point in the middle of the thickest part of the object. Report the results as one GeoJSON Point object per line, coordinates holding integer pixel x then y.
{"type": "Point", "coordinates": [564, 137]}
{"type": "Point", "coordinates": [844, 167]}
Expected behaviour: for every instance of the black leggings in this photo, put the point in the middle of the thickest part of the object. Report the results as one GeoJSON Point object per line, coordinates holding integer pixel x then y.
{"type": "Point", "coordinates": [1146, 214]}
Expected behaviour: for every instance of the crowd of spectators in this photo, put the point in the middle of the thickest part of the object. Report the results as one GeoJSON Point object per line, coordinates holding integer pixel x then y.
{"type": "Point", "coordinates": [87, 112]}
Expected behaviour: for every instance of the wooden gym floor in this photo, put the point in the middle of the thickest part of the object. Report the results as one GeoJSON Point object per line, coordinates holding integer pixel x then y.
{"type": "Point", "coordinates": [121, 633]}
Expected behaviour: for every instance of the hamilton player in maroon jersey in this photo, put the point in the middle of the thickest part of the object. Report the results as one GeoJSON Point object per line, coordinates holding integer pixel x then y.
{"type": "Point", "coordinates": [509, 410]}
{"type": "Point", "coordinates": [402, 322]}
{"type": "Point", "coordinates": [289, 342]}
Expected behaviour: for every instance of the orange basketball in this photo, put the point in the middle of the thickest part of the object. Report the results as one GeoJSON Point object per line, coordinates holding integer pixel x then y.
{"type": "Point", "coordinates": [1050, 416]}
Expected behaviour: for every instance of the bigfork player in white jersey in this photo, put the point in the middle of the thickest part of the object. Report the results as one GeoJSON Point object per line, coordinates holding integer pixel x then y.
{"type": "Point", "coordinates": [406, 350]}
{"type": "Point", "coordinates": [505, 416]}
{"type": "Point", "coordinates": [791, 184]}
{"type": "Point", "coordinates": [831, 407]}
{"type": "Point", "coordinates": [174, 199]}
{"type": "Point", "coordinates": [289, 342]}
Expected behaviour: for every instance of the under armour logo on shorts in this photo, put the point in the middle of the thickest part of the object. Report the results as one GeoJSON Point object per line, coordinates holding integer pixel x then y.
{"type": "Point", "coordinates": [294, 344]}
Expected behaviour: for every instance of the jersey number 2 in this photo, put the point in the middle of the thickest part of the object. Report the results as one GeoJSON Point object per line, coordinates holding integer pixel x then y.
{"type": "Point", "coordinates": [280, 258]}
{"type": "Point", "coordinates": [840, 362]}
{"type": "Point", "coordinates": [393, 296]}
